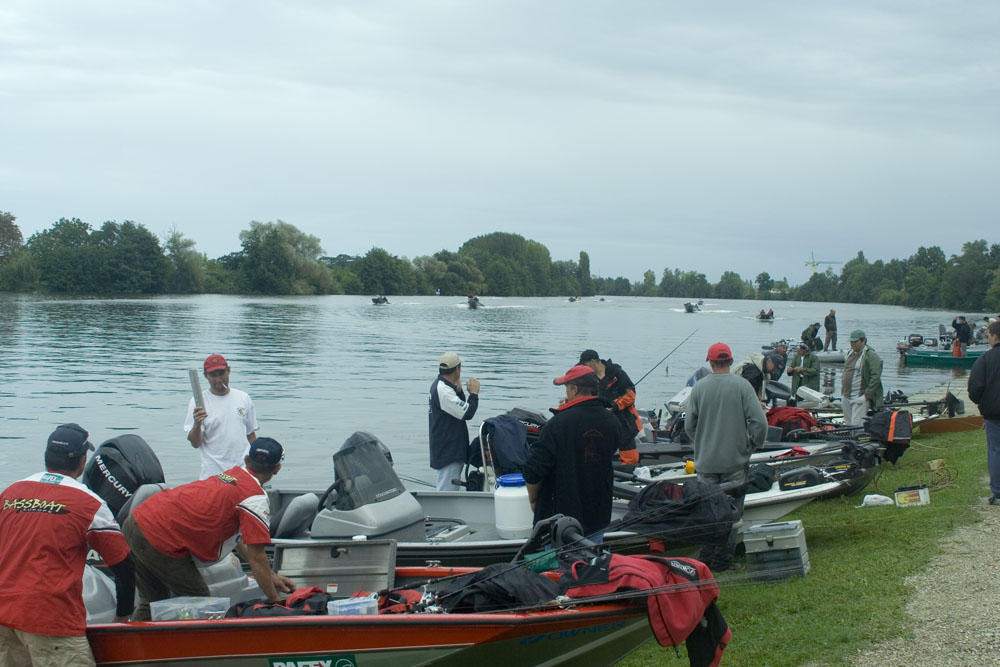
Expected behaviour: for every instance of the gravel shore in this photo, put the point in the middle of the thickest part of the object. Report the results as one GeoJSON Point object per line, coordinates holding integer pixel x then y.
{"type": "Point", "coordinates": [954, 616]}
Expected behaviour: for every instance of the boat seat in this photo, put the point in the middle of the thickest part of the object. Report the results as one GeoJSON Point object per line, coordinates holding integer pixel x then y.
{"type": "Point", "coordinates": [295, 518]}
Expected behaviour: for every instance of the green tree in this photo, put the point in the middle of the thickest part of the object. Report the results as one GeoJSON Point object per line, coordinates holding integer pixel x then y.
{"type": "Point", "coordinates": [511, 265]}
{"type": "Point", "coordinates": [128, 258]}
{"type": "Point", "coordinates": [730, 286]}
{"type": "Point", "coordinates": [583, 276]}
{"type": "Point", "coordinates": [963, 284]}
{"type": "Point", "coordinates": [187, 275]}
{"type": "Point", "coordinates": [648, 287]}
{"type": "Point", "coordinates": [564, 278]}
{"type": "Point", "coordinates": [63, 257]}
{"type": "Point", "coordinates": [764, 285]}
{"type": "Point", "coordinates": [277, 258]}
{"type": "Point", "coordinates": [10, 237]}
{"type": "Point", "coordinates": [382, 273]}
{"type": "Point", "coordinates": [451, 273]}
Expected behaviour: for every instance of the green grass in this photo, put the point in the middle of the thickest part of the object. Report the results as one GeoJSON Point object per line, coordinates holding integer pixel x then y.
{"type": "Point", "coordinates": [855, 593]}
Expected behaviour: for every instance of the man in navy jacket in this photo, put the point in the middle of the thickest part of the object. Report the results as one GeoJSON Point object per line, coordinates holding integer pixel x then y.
{"type": "Point", "coordinates": [448, 412]}
{"type": "Point", "coordinates": [984, 391]}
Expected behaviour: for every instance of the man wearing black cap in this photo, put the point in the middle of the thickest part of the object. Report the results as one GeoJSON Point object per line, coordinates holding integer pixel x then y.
{"type": "Point", "coordinates": [568, 470]}
{"type": "Point", "coordinates": [48, 523]}
{"type": "Point", "coordinates": [204, 520]}
{"type": "Point", "coordinates": [616, 390]}
{"type": "Point", "coordinates": [726, 422]}
{"type": "Point", "coordinates": [221, 428]}
{"type": "Point", "coordinates": [448, 412]}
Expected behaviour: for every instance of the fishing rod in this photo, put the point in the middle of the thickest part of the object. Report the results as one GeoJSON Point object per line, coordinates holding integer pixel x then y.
{"type": "Point", "coordinates": [665, 358]}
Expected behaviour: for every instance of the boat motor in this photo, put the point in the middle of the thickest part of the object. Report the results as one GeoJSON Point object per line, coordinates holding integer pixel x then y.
{"type": "Point", "coordinates": [367, 497]}
{"type": "Point", "coordinates": [119, 467]}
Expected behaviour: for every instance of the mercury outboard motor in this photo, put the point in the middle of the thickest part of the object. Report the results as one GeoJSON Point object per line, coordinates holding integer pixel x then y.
{"type": "Point", "coordinates": [532, 420]}
{"type": "Point", "coordinates": [119, 467]}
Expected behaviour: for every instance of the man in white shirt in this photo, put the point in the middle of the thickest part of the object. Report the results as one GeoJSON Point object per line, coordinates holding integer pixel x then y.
{"type": "Point", "coordinates": [224, 427]}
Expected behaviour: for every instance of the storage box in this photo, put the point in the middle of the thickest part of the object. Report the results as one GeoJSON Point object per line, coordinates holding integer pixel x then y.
{"type": "Point", "coordinates": [779, 535]}
{"type": "Point", "coordinates": [188, 608]}
{"type": "Point", "coordinates": [352, 606]}
{"type": "Point", "coordinates": [776, 551]}
{"type": "Point", "coordinates": [777, 564]}
{"type": "Point", "coordinates": [912, 495]}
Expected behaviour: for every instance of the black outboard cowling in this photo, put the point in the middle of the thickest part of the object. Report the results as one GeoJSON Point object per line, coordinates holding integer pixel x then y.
{"type": "Point", "coordinates": [363, 474]}
{"type": "Point", "coordinates": [119, 467]}
{"type": "Point", "coordinates": [532, 420]}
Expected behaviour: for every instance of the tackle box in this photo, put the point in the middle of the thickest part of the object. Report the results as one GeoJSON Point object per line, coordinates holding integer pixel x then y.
{"type": "Point", "coordinates": [776, 551]}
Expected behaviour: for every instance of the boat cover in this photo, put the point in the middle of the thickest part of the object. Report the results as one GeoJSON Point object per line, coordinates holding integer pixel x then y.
{"type": "Point", "coordinates": [509, 442]}
{"type": "Point", "coordinates": [683, 595]}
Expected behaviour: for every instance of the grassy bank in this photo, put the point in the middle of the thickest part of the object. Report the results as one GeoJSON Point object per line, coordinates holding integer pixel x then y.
{"type": "Point", "coordinates": [855, 593]}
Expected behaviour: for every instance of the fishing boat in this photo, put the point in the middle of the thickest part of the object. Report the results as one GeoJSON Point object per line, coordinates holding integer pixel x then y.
{"type": "Point", "coordinates": [691, 307]}
{"type": "Point", "coordinates": [920, 356]}
{"type": "Point", "coordinates": [765, 316]}
{"type": "Point", "coordinates": [380, 300]}
{"type": "Point", "coordinates": [473, 301]}
{"type": "Point", "coordinates": [436, 625]}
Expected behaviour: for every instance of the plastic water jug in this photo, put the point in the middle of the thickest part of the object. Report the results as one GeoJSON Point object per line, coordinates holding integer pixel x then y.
{"type": "Point", "coordinates": [513, 511]}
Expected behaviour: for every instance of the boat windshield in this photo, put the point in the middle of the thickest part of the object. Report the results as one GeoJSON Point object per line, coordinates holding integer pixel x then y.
{"type": "Point", "coordinates": [363, 472]}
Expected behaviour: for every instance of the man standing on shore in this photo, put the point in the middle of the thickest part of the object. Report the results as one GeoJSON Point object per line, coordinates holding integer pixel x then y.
{"type": "Point", "coordinates": [225, 426]}
{"type": "Point", "coordinates": [862, 383]}
{"type": "Point", "coordinates": [984, 391]}
{"type": "Point", "coordinates": [448, 413]}
{"type": "Point", "coordinates": [726, 423]}
{"type": "Point", "coordinates": [830, 324]}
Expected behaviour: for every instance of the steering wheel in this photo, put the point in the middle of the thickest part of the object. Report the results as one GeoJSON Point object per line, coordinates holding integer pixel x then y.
{"type": "Point", "coordinates": [325, 498]}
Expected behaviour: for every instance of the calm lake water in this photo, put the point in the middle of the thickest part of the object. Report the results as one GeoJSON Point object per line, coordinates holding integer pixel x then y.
{"type": "Point", "coordinates": [320, 368]}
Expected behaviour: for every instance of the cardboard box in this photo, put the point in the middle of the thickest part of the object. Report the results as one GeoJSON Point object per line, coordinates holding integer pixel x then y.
{"type": "Point", "coordinates": [912, 495]}
{"type": "Point", "coordinates": [188, 608]}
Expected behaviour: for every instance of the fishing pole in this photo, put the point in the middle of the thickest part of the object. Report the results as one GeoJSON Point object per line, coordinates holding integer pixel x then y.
{"type": "Point", "coordinates": [665, 358]}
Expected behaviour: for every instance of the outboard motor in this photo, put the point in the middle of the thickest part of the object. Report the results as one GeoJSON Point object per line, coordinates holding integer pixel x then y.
{"type": "Point", "coordinates": [533, 421]}
{"type": "Point", "coordinates": [119, 467]}
{"type": "Point", "coordinates": [366, 497]}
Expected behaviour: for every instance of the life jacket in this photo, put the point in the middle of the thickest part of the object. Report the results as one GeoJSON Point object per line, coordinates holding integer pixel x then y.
{"type": "Point", "coordinates": [685, 597]}
{"type": "Point", "coordinates": [790, 419]}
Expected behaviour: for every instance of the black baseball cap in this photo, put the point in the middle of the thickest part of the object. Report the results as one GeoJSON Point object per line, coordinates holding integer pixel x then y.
{"type": "Point", "coordinates": [266, 451]}
{"type": "Point", "coordinates": [68, 444]}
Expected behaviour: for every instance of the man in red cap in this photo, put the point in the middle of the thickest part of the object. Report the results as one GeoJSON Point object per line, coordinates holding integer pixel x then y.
{"type": "Point", "coordinates": [568, 470]}
{"type": "Point", "coordinates": [726, 422]}
{"type": "Point", "coordinates": [225, 425]}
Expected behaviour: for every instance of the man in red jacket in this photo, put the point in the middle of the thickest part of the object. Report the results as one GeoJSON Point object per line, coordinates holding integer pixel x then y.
{"type": "Point", "coordinates": [205, 520]}
{"type": "Point", "coordinates": [48, 523]}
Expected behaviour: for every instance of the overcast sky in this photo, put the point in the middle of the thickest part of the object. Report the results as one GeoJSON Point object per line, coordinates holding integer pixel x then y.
{"type": "Point", "coordinates": [701, 136]}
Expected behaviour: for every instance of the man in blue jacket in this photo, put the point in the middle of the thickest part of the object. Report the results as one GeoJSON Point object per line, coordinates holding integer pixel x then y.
{"type": "Point", "coordinates": [984, 391]}
{"type": "Point", "coordinates": [448, 412]}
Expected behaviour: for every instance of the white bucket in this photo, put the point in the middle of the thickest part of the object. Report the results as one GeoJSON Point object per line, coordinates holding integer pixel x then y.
{"type": "Point", "coordinates": [513, 511]}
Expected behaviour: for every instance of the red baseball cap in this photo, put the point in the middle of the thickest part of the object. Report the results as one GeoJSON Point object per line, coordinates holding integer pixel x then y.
{"type": "Point", "coordinates": [574, 373]}
{"type": "Point", "coordinates": [215, 362]}
{"type": "Point", "coordinates": [719, 352]}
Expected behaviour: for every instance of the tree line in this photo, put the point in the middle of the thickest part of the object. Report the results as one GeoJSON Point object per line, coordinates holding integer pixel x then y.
{"type": "Point", "coordinates": [72, 257]}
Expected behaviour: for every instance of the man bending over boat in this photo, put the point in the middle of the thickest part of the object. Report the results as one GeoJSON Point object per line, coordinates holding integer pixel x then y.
{"type": "Point", "coordinates": [448, 412]}
{"type": "Point", "coordinates": [616, 389]}
{"type": "Point", "coordinates": [726, 423]}
{"type": "Point", "coordinates": [569, 470]}
{"type": "Point", "coordinates": [48, 523]}
{"type": "Point", "coordinates": [205, 520]}
{"type": "Point", "coordinates": [222, 428]}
